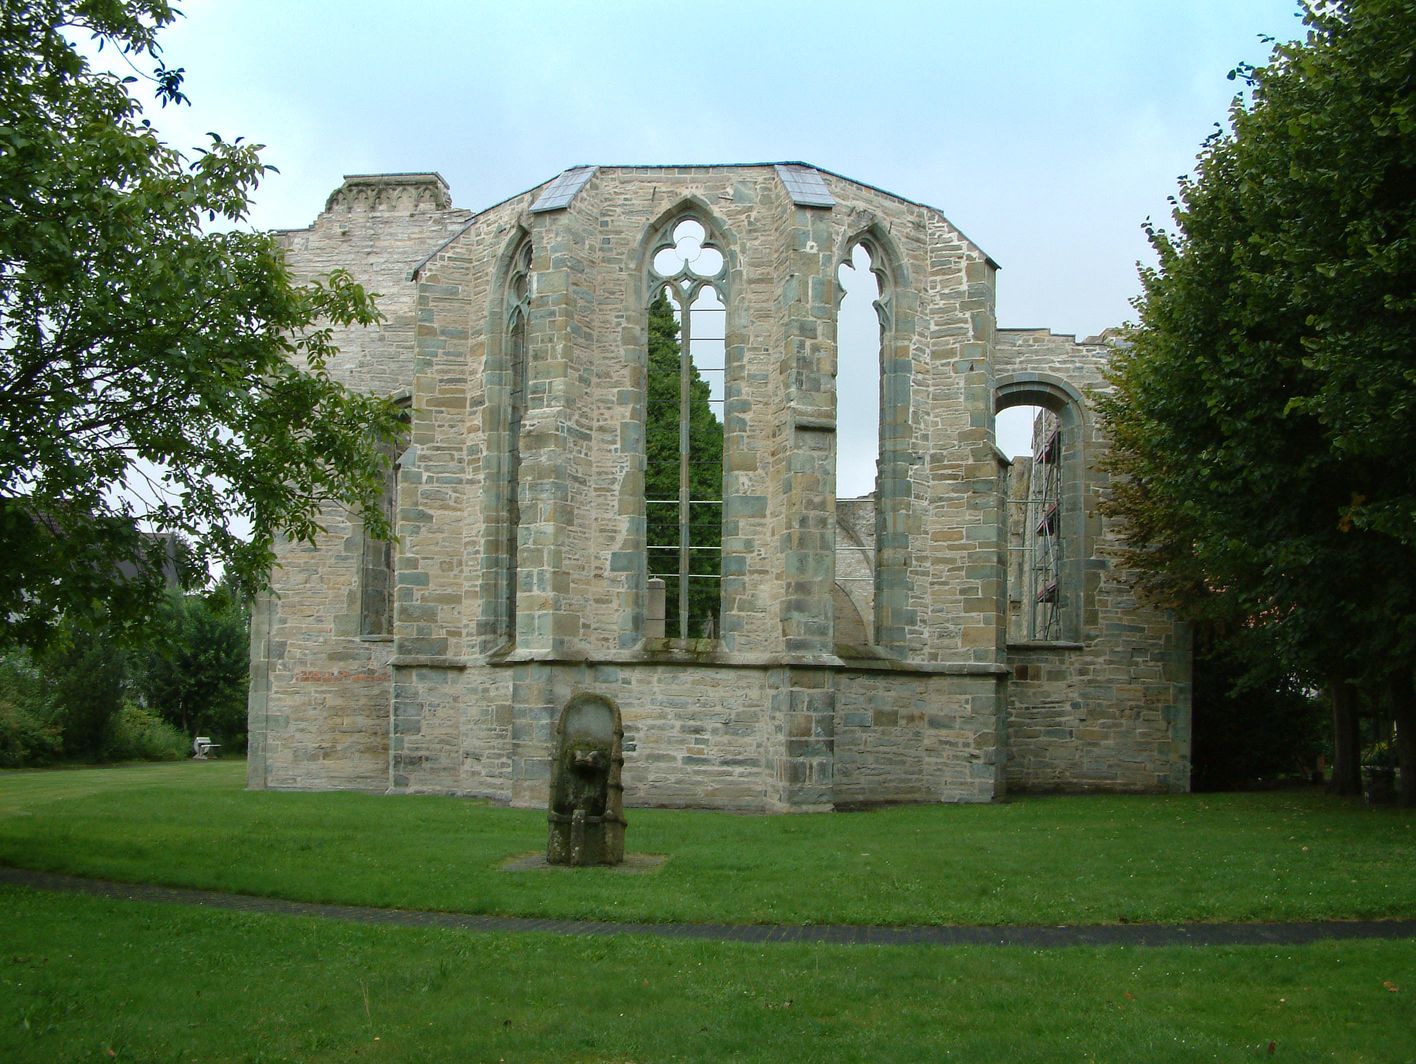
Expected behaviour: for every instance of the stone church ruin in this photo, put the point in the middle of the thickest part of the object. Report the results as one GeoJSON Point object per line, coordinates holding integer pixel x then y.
{"type": "Point", "coordinates": [619, 485]}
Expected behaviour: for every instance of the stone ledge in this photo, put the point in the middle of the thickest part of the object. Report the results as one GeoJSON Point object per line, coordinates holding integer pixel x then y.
{"type": "Point", "coordinates": [718, 658]}
{"type": "Point", "coordinates": [418, 661]}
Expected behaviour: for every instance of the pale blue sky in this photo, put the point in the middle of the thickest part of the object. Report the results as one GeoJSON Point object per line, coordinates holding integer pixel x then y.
{"type": "Point", "coordinates": [1046, 131]}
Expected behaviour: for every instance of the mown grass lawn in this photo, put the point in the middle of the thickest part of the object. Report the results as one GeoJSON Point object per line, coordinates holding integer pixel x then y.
{"type": "Point", "coordinates": [90, 979]}
{"type": "Point", "coordinates": [1101, 859]}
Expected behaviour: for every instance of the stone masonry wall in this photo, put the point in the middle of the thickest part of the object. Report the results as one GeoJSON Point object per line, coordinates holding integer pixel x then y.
{"type": "Point", "coordinates": [580, 558]}
{"type": "Point", "coordinates": [915, 738]}
{"type": "Point", "coordinates": [319, 704]}
{"type": "Point", "coordinates": [452, 727]}
{"type": "Point", "coordinates": [1111, 711]}
{"type": "Point", "coordinates": [520, 573]}
{"type": "Point", "coordinates": [855, 572]}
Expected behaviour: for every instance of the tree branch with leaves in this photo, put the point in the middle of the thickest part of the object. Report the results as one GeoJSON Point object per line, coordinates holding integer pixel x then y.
{"type": "Point", "coordinates": [157, 379]}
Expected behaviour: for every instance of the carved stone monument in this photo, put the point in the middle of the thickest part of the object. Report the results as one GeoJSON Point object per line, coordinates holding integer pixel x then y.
{"type": "Point", "coordinates": [587, 798]}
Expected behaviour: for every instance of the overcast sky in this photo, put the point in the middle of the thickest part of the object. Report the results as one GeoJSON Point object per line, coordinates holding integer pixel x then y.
{"type": "Point", "coordinates": [1046, 131]}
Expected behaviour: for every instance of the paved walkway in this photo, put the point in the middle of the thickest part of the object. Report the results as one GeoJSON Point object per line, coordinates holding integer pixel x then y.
{"type": "Point", "coordinates": [1034, 936]}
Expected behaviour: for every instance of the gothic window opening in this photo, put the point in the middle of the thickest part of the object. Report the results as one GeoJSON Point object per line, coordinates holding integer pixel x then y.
{"type": "Point", "coordinates": [860, 325]}
{"type": "Point", "coordinates": [380, 556]}
{"type": "Point", "coordinates": [518, 311]}
{"type": "Point", "coordinates": [862, 321]}
{"type": "Point", "coordinates": [683, 476]}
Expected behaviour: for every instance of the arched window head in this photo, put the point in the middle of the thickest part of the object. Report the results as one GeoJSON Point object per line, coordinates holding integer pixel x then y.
{"type": "Point", "coordinates": [518, 311]}
{"type": "Point", "coordinates": [863, 270]}
{"type": "Point", "coordinates": [517, 319]}
{"type": "Point", "coordinates": [862, 320]}
{"type": "Point", "coordinates": [683, 475]}
{"type": "Point", "coordinates": [686, 257]}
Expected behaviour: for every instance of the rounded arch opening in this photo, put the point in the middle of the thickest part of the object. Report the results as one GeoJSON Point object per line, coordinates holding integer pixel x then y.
{"type": "Point", "coordinates": [1040, 424]}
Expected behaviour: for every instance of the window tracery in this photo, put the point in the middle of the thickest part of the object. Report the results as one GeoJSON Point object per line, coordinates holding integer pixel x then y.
{"type": "Point", "coordinates": [684, 426]}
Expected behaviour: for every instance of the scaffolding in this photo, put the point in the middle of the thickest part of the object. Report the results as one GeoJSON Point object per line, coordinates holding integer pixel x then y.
{"type": "Point", "coordinates": [1046, 489]}
{"type": "Point", "coordinates": [1035, 546]}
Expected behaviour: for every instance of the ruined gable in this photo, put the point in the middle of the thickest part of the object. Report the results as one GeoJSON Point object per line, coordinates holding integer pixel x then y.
{"type": "Point", "coordinates": [814, 654]}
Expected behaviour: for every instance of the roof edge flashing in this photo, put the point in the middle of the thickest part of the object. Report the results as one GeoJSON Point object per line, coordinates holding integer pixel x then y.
{"type": "Point", "coordinates": [559, 194]}
{"type": "Point", "coordinates": [804, 185]}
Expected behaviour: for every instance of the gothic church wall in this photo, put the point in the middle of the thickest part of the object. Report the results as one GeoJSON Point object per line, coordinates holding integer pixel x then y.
{"type": "Point", "coordinates": [519, 579]}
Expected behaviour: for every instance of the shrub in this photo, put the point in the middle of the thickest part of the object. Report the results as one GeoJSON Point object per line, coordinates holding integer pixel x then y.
{"type": "Point", "coordinates": [1251, 724]}
{"type": "Point", "coordinates": [196, 677]}
{"type": "Point", "coordinates": [139, 734]}
{"type": "Point", "coordinates": [86, 679]}
{"type": "Point", "coordinates": [27, 735]}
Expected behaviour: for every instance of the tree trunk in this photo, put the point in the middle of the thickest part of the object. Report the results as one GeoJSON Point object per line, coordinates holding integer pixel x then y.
{"type": "Point", "coordinates": [1346, 740]}
{"type": "Point", "coordinates": [1403, 712]}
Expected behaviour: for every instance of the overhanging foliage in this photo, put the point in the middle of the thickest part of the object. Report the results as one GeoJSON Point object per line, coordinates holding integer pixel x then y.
{"type": "Point", "coordinates": [154, 376]}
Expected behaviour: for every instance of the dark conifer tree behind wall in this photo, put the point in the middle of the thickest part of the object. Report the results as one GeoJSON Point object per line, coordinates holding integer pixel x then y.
{"type": "Point", "coordinates": [661, 476]}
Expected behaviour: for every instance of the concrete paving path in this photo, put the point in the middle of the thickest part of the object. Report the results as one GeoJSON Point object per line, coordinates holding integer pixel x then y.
{"type": "Point", "coordinates": [1030, 936]}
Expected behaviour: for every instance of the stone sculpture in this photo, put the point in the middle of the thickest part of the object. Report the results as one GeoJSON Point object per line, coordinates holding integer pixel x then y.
{"type": "Point", "coordinates": [586, 812]}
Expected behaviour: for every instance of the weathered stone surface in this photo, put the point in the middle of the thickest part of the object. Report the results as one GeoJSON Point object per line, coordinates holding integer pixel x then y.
{"type": "Point", "coordinates": [586, 814]}
{"type": "Point", "coordinates": [863, 653]}
{"type": "Point", "coordinates": [1109, 707]}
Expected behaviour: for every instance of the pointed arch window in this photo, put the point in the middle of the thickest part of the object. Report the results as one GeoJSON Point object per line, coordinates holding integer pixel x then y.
{"type": "Point", "coordinates": [864, 313]}
{"type": "Point", "coordinates": [517, 323]}
{"type": "Point", "coordinates": [862, 320]}
{"type": "Point", "coordinates": [683, 474]}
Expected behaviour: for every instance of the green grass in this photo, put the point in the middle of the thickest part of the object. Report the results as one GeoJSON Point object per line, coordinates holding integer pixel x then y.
{"type": "Point", "coordinates": [89, 979]}
{"type": "Point", "coordinates": [24, 790]}
{"type": "Point", "coordinates": [85, 979]}
{"type": "Point", "coordinates": [1274, 856]}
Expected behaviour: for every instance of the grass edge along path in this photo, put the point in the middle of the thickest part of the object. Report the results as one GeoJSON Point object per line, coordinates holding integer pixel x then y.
{"type": "Point", "coordinates": [96, 979]}
{"type": "Point", "coordinates": [1032, 936]}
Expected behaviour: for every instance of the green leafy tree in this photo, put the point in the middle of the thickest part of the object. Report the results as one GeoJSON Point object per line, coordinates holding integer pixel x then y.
{"type": "Point", "coordinates": [196, 676]}
{"type": "Point", "coordinates": [28, 733]}
{"type": "Point", "coordinates": [661, 475]}
{"type": "Point", "coordinates": [155, 377]}
{"type": "Point", "coordinates": [1264, 416]}
{"type": "Point", "coordinates": [86, 676]}
{"type": "Point", "coordinates": [1252, 720]}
